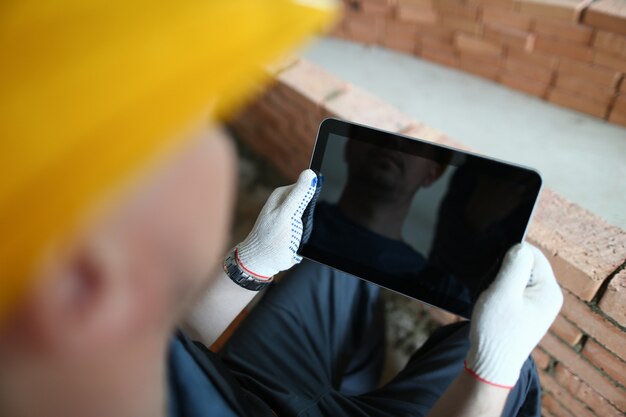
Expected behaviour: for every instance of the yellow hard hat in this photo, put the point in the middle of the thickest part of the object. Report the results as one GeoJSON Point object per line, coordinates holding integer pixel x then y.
{"type": "Point", "coordinates": [90, 90]}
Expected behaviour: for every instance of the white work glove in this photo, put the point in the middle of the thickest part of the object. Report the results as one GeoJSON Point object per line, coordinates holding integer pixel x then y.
{"type": "Point", "coordinates": [511, 316]}
{"type": "Point", "coordinates": [272, 244]}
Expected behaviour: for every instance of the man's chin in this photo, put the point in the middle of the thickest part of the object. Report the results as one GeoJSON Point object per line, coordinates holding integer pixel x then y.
{"type": "Point", "coordinates": [386, 182]}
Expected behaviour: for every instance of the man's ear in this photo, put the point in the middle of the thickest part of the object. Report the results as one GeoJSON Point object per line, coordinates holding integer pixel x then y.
{"type": "Point", "coordinates": [68, 308]}
{"type": "Point", "coordinates": [434, 173]}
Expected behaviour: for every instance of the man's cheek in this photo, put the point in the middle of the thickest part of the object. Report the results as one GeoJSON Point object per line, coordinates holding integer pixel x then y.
{"type": "Point", "coordinates": [212, 201]}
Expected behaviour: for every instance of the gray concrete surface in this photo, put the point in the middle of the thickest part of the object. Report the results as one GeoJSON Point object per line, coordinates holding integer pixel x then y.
{"type": "Point", "coordinates": [581, 157]}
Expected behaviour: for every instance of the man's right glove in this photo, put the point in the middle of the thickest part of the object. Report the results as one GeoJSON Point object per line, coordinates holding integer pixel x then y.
{"type": "Point", "coordinates": [512, 315]}
{"type": "Point", "coordinates": [272, 244]}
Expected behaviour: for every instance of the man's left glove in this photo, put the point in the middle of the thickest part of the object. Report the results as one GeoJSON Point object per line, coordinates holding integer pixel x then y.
{"type": "Point", "coordinates": [272, 244]}
{"type": "Point", "coordinates": [512, 315]}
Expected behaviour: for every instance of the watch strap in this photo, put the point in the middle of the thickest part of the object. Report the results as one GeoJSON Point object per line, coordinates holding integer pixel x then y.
{"type": "Point", "coordinates": [239, 276]}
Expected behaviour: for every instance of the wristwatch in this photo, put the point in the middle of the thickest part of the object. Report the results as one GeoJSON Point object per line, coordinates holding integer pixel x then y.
{"type": "Point", "coordinates": [236, 272]}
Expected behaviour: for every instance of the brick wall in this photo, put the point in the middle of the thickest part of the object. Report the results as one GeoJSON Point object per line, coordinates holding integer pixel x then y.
{"type": "Point", "coordinates": [582, 357]}
{"type": "Point", "coordinates": [570, 52]}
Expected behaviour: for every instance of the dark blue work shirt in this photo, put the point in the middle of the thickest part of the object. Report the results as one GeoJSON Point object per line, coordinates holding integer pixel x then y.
{"type": "Point", "coordinates": [200, 385]}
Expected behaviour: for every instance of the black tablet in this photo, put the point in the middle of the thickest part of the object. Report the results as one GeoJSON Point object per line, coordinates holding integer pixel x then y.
{"type": "Point", "coordinates": [422, 219]}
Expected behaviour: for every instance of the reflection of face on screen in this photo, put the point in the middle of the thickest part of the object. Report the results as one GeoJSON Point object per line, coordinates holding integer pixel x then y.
{"type": "Point", "coordinates": [428, 228]}
{"type": "Point", "coordinates": [389, 174]}
{"type": "Point", "coordinates": [381, 185]}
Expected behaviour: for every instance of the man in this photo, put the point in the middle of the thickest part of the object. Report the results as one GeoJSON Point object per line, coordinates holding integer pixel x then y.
{"type": "Point", "coordinates": [89, 316]}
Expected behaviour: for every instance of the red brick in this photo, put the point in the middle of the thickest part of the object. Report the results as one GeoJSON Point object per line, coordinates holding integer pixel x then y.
{"type": "Point", "coordinates": [421, 131]}
{"type": "Point", "coordinates": [396, 26]}
{"type": "Point", "coordinates": [408, 46]}
{"type": "Point", "coordinates": [280, 120]}
{"type": "Point", "coordinates": [291, 96]}
{"type": "Point", "coordinates": [448, 141]}
{"type": "Point", "coordinates": [610, 42]}
{"type": "Point", "coordinates": [567, 379]}
{"type": "Point", "coordinates": [377, 7]}
{"type": "Point", "coordinates": [462, 24]}
{"type": "Point", "coordinates": [582, 87]}
{"type": "Point", "coordinates": [542, 359]}
{"type": "Point", "coordinates": [478, 66]}
{"type": "Point", "coordinates": [613, 302]}
{"type": "Point", "coordinates": [435, 43]}
{"type": "Point", "coordinates": [567, 10]}
{"type": "Point", "coordinates": [536, 58]}
{"type": "Point", "coordinates": [565, 330]}
{"type": "Point", "coordinates": [364, 27]}
{"type": "Point", "coordinates": [506, 18]}
{"type": "Point", "coordinates": [584, 370]}
{"type": "Point", "coordinates": [423, 3]}
{"type": "Point", "coordinates": [339, 31]}
{"type": "Point", "coordinates": [456, 8]}
{"type": "Point", "coordinates": [552, 405]}
{"type": "Point", "coordinates": [546, 413]}
{"type": "Point", "coordinates": [569, 267]}
{"type": "Point", "coordinates": [503, 4]}
{"type": "Point", "coordinates": [617, 118]}
{"type": "Point", "coordinates": [597, 402]}
{"type": "Point", "coordinates": [563, 48]}
{"type": "Point", "coordinates": [583, 248]}
{"type": "Point", "coordinates": [283, 108]}
{"type": "Point", "coordinates": [593, 324]}
{"type": "Point", "coordinates": [594, 74]}
{"type": "Point", "coordinates": [563, 30]}
{"type": "Point", "coordinates": [563, 396]}
{"type": "Point", "coordinates": [529, 70]}
{"type": "Point", "coordinates": [259, 135]}
{"type": "Point", "coordinates": [478, 46]}
{"type": "Point", "coordinates": [359, 106]}
{"type": "Point", "coordinates": [523, 84]}
{"type": "Point", "coordinates": [400, 36]}
{"type": "Point", "coordinates": [436, 31]}
{"type": "Point", "coordinates": [275, 104]}
{"type": "Point", "coordinates": [584, 393]}
{"type": "Point", "coordinates": [280, 65]}
{"type": "Point", "coordinates": [494, 62]}
{"type": "Point", "coordinates": [312, 82]}
{"type": "Point", "coordinates": [619, 105]}
{"type": "Point", "coordinates": [574, 277]}
{"type": "Point", "coordinates": [609, 61]}
{"type": "Point", "coordinates": [613, 366]}
{"type": "Point", "coordinates": [582, 104]}
{"type": "Point", "coordinates": [449, 59]}
{"type": "Point", "coordinates": [509, 37]}
{"type": "Point", "coordinates": [607, 14]}
{"type": "Point", "coordinates": [417, 13]}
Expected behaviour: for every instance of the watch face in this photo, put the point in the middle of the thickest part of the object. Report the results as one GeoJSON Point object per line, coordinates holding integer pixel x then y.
{"type": "Point", "coordinates": [422, 219]}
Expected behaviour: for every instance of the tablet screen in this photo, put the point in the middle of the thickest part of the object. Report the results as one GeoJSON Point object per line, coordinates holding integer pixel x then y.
{"type": "Point", "coordinates": [425, 220]}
